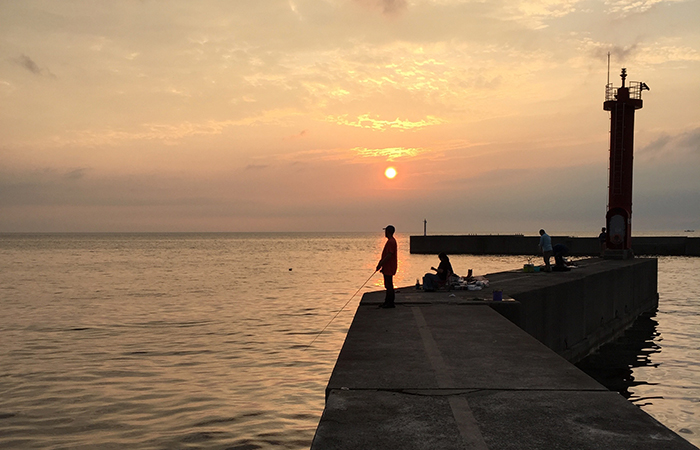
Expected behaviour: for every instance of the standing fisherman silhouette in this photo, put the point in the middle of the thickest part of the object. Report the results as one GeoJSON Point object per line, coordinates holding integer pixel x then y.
{"type": "Point", "coordinates": [388, 265]}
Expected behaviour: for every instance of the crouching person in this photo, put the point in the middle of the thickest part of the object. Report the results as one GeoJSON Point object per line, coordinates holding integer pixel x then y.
{"type": "Point", "coordinates": [432, 281]}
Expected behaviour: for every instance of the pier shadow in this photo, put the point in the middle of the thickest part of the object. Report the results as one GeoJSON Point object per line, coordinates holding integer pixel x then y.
{"type": "Point", "coordinates": [613, 364]}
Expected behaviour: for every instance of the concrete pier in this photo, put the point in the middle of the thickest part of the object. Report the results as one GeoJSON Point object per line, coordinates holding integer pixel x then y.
{"type": "Point", "coordinates": [527, 245]}
{"type": "Point", "coordinates": [573, 313]}
{"type": "Point", "coordinates": [447, 370]}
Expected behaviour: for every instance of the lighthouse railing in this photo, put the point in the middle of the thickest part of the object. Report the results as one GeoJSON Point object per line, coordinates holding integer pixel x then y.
{"type": "Point", "coordinates": [610, 92]}
{"type": "Point", "coordinates": [635, 90]}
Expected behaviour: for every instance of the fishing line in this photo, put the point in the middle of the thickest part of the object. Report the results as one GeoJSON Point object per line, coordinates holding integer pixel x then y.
{"type": "Point", "coordinates": [341, 309]}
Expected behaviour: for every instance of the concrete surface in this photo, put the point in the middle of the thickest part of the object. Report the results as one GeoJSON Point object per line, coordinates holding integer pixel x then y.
{"type": "Point", "coordinates": [574, 312]}
{"type": "Point", "coordinates": [445, 370]}
{"type": "Point", "coordinates": [527, 245]}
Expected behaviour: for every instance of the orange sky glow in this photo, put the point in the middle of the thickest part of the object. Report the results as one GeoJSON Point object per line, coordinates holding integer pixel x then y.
{"type": "Point", "coordinates": [284, 115]}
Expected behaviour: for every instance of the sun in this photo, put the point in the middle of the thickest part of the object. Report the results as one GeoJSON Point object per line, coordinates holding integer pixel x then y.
{"type": "Point", "coordinates": [390, 172]}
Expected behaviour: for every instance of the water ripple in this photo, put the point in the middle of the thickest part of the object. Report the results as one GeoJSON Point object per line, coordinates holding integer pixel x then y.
{"type": "Point", "coordinates": [188, 341]}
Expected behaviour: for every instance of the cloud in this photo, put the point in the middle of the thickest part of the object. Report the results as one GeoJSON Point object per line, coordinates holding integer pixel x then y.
{"type": "Point", "coordinates": [299, 135]}
{"type": "Point", "coordinates": [619, 53]}
{"type": "Point", "coordinates": [389, 153]}
{"type": "Point", "coordinates": [256, 167]}
{"type": "Point", "coordinates": [6, 86]}
{"type": "Point", "coordinates": [390, 8]}
{"type": "Point", "coordinates": [686, 144]}
{"type": "Point", "coordinates": [307, 112]}
{"type": "Point", "coordinates": [75, 174]}
{"type": "Point", "coordinates": [29, 64]}
{"type": "Point", "coordinates": [169, 134]}
{"type": "Point", "coordinates": [365, 121]}
{"type": "Point", "coordinates": [658, 52]}
{"type": "Point", "coordinates": [626, 7]}
{"type": "Point", "coordinates": [537, 14]}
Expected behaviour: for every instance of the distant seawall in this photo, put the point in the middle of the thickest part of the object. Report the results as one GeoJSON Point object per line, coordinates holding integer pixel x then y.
{"type": "Point", "coordinates": [527, 245]}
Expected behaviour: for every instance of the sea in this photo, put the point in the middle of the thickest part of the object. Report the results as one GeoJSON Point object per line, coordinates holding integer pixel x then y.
{"type": "Point", "coordinates": [227, 340]}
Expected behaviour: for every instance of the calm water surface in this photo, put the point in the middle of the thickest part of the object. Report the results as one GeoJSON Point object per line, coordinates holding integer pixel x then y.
{"type": "Point", "coordinates": [179, 341]}
{"type": "Point", "coordinates": [656, 364]}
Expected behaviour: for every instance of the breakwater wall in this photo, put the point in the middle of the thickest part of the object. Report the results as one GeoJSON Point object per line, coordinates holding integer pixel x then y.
{"type": "Point", "coordinates": [527, 245]}
{"type": "Point", "coordinates": [573, 313]}
{"type": "Point", "coordinates": [456, 370]}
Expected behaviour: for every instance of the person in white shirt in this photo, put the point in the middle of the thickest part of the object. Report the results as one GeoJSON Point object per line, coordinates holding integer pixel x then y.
{"type": "Point", "coordinates": [546, 248]}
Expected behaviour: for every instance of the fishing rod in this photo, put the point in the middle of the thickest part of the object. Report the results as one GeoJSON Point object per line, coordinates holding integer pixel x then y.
{"type": "Point", "coordinates": [339, 311]}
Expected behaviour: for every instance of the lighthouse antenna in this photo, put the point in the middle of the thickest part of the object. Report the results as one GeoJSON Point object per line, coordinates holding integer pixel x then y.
{"type": "Point", "coordinates": [608, 68]}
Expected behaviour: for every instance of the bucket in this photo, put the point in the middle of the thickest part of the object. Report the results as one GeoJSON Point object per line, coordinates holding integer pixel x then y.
{"type": "Point", "coordinates": [497, 295]}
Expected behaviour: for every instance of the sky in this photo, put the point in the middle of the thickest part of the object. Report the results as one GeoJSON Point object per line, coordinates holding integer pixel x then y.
{"type": "Point", "coordinates": [283, 115]}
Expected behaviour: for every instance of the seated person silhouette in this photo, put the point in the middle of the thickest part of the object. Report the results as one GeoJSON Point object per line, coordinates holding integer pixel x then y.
{"type": "Point", "coordinates": [432, 281]}
{"type": "Point", "coordinates": [560, 264]}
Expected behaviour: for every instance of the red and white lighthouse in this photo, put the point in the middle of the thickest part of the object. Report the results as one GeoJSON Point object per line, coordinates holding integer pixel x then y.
{"type": "Point", "coordinates": [622, 102]}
